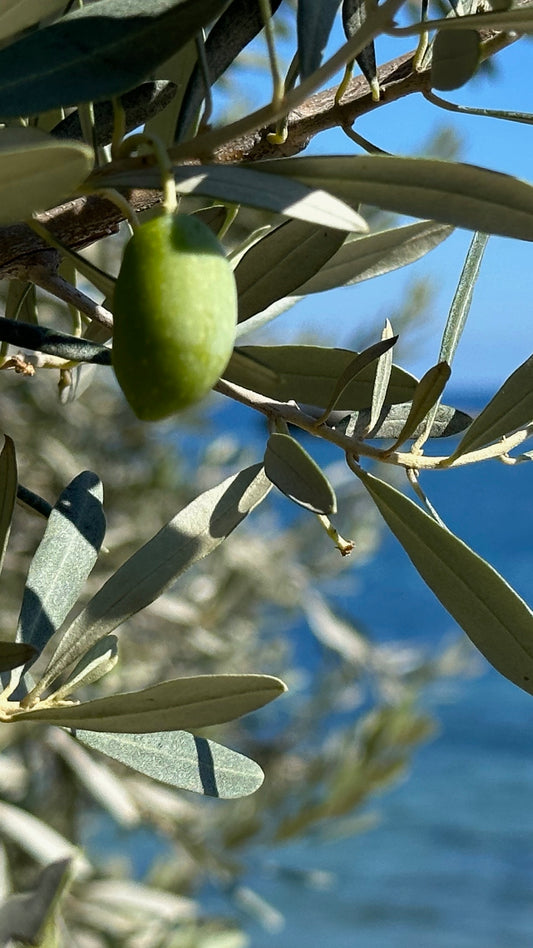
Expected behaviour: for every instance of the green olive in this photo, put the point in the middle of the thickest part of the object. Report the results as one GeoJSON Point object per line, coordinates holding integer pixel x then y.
{"type": "Point", "coordinates": [175, 313]}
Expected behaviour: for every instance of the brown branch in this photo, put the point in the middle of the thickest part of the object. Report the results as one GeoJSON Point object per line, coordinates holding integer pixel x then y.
{"type": "Point", "coordinates": [80, 222]}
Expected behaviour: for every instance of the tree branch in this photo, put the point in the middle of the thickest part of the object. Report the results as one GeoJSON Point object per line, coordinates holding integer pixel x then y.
{"type": "Point", "coordinates": [80, 222]}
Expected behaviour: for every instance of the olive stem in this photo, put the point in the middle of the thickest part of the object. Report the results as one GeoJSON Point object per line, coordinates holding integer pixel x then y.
{"type": "Point", "coordinates": [278, 88]}
{"type": "Point", "coordinates": [168, 185]}
{"type": "Point", "coordinates": [122, 203]}
{"type": "Point", "coordinates": [119, 127]}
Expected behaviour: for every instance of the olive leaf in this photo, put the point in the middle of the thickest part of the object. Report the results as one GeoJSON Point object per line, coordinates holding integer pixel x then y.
{"type": "Point", "coordinates": [361, 258]}
{"type": "Point", "coordinates": [425, 396]}
{"type": "Point", "coordinates": [8, 493]}
{"type": "Point", "coordinates": [21, 301]}
{"type": "Point", "coordinates": [193, 533]}
{"type": "Point", "coordinates": [309, 374]}
{"type": "Point", "coordinates": [496, 619]}
{"type": "Point", "coordinates": [354, 369]}
{"type": "Point", "coordinates": [295, 474]}
{"type": "Point", "coordinates": [97, 662]}
{"type": "Point", "coordinates": [276, 264]}
{"type": "Point", "coordinates": [459, 311]}
{"type": "Point", "coordinates": [96, 52]}
{"type": "Point", "coordinates": [455, 58]}
{"type": "Point", "coordinates": [37, 171]}
{"type": "Point", "coordinates": [52, 342]}
{"type": "Point", "coordinates": [13, 654]}
{"type": "Point", "coordinates": [63, 559]}
{"type": "Point", "coordinates": [452, 192]}
{"type": "Point", "coordinates": [313, 23]}
{"type": "Point", "coordinates": [238, 185]}
{"type": "Point", "coordinates": [181, 704]}
{"type": "Point", "coordinates": [240, 22]}
{"type": "Point", "coordinates": [382, 379]}
{"type": "Point", "coordinates": [181, 760]}
{"type": "Point", "coordinates": [519, 19]}
{"type": "Point", "coordinates": [353, 16]}
{"type": "Point", "coordinates": [509, 409]}
{"type": "Point", "coordinates": [368, 256]}
{"type": "Point", "coordinates": [24, 916]}
{"type": "Point", "coordinates": [390, 423]}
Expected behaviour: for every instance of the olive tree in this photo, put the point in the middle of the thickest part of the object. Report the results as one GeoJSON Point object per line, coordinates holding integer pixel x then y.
{"type": "Point", "coordinates": [109, 122]}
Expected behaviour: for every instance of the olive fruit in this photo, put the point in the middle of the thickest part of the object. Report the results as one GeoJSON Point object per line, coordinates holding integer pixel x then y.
{"type": "Point", "coordinates": [175, 313]}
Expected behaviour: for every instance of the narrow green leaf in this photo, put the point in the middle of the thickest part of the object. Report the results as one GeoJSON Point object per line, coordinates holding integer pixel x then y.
{"type": "Point", "coordinates": [496, 619]}
{"type": "Point", "coordinates": [96, 52]}
{"type": "Point", "coordinates": [309, 374]}
{"type": "Point", "coordinates": [448, 421]}
{"type": "Point", "coordinates": [382, 379]}
{"type": "Point", "coordinates": [182, 760]}
{"type": "Point", "coordinates": [459, 310]}
{"type": "Point", "coordinates": [455, 58]}
{"type": "Point", "coordinates": [237, 185]}
{"type": "Point", "coordinates": [296, 475]}
{"type": "Point", "coordinates": [8, 493]}
{"type": "Point", "coordinates": [314, 22]}
{"type": "Point", "coordinates": [63, 559]}
{"type": "Point", "coordinates": [361, 258]}
{"type": "Point", "coordinates": [97, 662]}
{"type": "Point", "coordinates": [426, 394]}
{"type": "Point", "coordinates": [354, 14]}
{"type": "Point", "coordinates": [238, 25]}
{"type": "Point", "coordinates": [196, 531]}
{"type": "Point", "coordinates": [277, 264]}
{"type": "Point", "coordinates": [51, 342]}
{"type": "Point", "coordinates": [13, 654]}
{"type": "Point", "coordinates": [37, 171]}
{"type": "Point", "coordinates": [353, 370]}
{"type": "Point", "coordinates": [181, 704]}
{"type": "Point", "coordinates": [451, 192]}
{"type": "Point", "coordinates": [24, 917]}
{"type": "Point", "coordinates": [366, 257]}
{"type": "Point", "coordinates": [519, 20]}
{"type": "Point", "coordinates": [21, 301]}
{"type": "Point", "coordinates": [511, 408]}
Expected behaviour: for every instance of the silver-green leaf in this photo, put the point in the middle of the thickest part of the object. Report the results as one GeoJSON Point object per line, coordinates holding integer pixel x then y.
{"type": "Point", "coordinates": [496, 619]}
{"type": "Point", "coordinates": [197, 530]}
{"type": "Point", "coordinates": [275, 265]}
{"type": "Point", "coordinates": [297, 475]}
{"type": "Point", "coordinates": [237, 185]}
{"type": "Point", "coordinates": [8, 493]}
{"type": "Point", "coordinates": [181, 704]}
{"type": "Point", "coordinates": [63, 560]}
{"type": "Point", "coordinates": [452, 192]}
{"type": "Point", "coordinates": [181, 760]}
{"type": "Point", "coordinates": [309, 374]}
{"type": "Point", "coordinates": [511, 408]}
{"type": "Point", "coordinates": [455, 58]}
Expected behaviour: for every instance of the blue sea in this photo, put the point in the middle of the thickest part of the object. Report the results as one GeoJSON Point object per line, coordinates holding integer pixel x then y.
{"type": "Point", "coordinates": [450, 864]}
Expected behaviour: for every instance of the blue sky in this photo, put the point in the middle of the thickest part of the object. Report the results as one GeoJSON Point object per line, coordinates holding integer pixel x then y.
{"type": "Point", "coordinates": [498, 336]}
